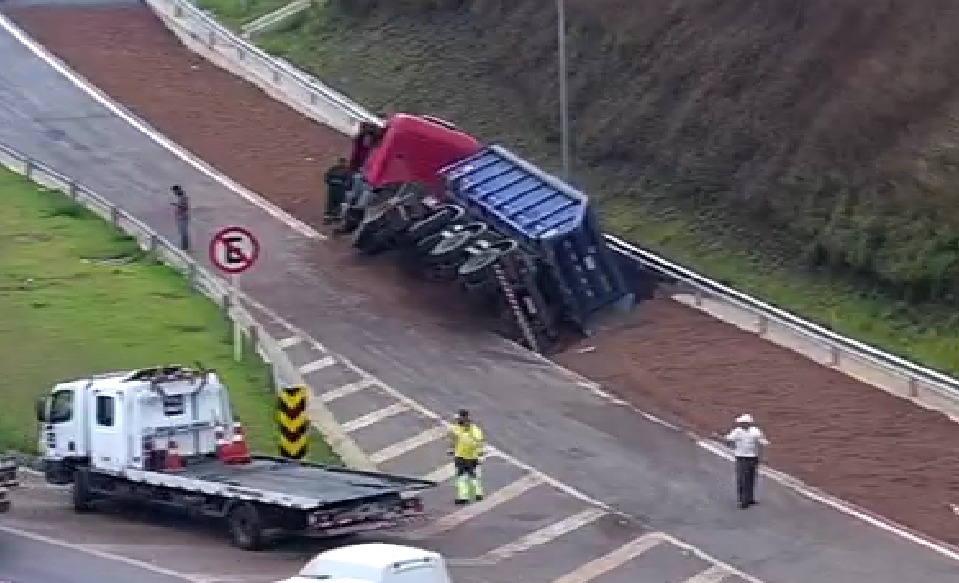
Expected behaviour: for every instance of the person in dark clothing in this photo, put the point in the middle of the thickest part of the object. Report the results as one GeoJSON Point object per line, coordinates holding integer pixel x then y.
{"type": "Point", "coordinates": [181, 209]}
{"type": "Point", "coordinates": [338, 179]}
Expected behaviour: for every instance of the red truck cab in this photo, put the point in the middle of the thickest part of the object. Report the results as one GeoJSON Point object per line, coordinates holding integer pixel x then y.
{"type": "Point", "coordinates": [409, 148]}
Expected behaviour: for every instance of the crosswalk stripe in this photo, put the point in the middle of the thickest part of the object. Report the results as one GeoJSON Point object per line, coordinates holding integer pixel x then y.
{"type": "Point", "coordinates": [504, 494]}
{"type": "Point", "coordinates": [714, 574]}
{"type": "Point", "coordinates": [346, 390]}
{"type": "Point", "coordinates": [319, 364]}
{"type": "Point", "coordinates": [602, 565]}
{"type": "Point", "coordinates": [374, 417]}
{"type": "Point", "coordinates": [546, 534]}
{"type": "Point", "coordinates": [290, 342]}
{"type": "Point", "coordinates": [407, 445]}
{"type": "Point", "coordinates": [442, 473]}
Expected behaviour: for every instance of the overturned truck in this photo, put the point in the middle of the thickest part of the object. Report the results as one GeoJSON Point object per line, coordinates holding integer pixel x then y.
{"type": "Point", "coordinates": [518, 241]}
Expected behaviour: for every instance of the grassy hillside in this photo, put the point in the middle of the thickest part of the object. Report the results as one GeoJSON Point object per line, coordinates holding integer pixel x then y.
{"type": "Point", "coordinates": [803, 151]}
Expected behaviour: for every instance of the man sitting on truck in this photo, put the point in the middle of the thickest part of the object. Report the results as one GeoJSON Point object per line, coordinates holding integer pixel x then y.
{"type": "Point", "coordinates": [467, 441]}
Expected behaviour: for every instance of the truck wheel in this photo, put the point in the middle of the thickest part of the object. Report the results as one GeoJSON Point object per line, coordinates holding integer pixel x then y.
{"type": "Point", "coordinates": [82, 498]}
{"type": "Point", "coordinates": [246, 527]}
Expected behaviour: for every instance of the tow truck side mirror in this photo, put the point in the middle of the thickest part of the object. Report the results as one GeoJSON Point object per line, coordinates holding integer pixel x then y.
{"type": "Point", "coordinates": [42, 409]}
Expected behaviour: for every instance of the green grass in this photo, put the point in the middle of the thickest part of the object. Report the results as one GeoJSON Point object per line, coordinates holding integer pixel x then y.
{"type": "Point", "coordinates": [235, 13]}
{"type": "Point", "coordinates": [78, 297]}
{"type": "Point", "coordinates": [389, 68]}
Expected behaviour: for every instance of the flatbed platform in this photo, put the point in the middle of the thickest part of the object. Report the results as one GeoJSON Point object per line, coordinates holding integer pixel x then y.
{"type": "Point", "coordinates": [327, 485]}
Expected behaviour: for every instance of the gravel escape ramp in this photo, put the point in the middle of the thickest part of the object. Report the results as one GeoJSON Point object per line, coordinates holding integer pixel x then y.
{"type": "Point", "coordinates": [849, 439]}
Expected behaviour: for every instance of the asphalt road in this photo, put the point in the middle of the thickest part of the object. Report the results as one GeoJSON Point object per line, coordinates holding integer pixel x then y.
{"type": "Point", "coordinates": [663, 482]}
{"type": "Point", "coordinates": [23, 560]}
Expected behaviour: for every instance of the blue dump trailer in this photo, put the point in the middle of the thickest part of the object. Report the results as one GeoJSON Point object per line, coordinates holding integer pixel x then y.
{"type": "Point", "coordinates": [520, 242]}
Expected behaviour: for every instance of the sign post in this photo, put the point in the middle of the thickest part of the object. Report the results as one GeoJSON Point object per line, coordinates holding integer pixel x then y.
{"type": "Point", "coordinates": [234, 250]}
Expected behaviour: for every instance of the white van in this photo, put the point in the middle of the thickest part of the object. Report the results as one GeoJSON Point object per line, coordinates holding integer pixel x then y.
{"type": "Point", "coordinates": [374, 563]}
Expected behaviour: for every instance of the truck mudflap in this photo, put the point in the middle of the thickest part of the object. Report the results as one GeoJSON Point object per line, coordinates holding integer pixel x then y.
{"type": "Point", "coordinates": [8, 481]}
{"type": "Point", "coordinates": [367, 516]}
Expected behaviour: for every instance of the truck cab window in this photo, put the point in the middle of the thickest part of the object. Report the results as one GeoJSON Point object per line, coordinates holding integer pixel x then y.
{"type": "Point", "coordinates": [105, 411]}
{"type": "Point", "coordinates": [61, 407]}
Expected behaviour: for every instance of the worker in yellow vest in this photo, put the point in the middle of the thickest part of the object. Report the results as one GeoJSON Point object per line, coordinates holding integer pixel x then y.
{"type": "Point", "coordinates": [467, 441]}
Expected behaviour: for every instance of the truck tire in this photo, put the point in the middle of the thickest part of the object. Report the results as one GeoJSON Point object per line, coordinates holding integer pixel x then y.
{"type": "Point", "coordinates": [82, 498]}
{"type": "Point", "coordinates": [246, 526]}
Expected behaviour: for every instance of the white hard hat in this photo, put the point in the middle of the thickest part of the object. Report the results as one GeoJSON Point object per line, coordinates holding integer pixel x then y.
{"type": "Point", "coordinates": [744, 418]}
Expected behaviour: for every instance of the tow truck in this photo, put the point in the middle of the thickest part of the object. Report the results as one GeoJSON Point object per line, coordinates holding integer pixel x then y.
{"type": "Point", "coordinates": [8, 481]}
{"type": "Point", "coordinates": [519, 242]}
{"type": "Point", "coordinates": [166, 435]}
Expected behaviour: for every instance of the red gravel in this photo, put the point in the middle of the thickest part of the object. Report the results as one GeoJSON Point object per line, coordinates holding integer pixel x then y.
{"type": "Point", "coordinates": [847, 438]}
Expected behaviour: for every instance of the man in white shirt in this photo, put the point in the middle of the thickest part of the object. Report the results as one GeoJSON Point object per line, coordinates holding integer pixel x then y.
{"type": "Point", "coordinates": [747, 441]}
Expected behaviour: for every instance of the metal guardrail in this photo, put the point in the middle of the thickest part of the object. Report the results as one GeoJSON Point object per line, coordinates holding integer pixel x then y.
{"type": "Point", "coordinates": [246, 329]}
{"type": "Point", "coordinates": [318, 101]}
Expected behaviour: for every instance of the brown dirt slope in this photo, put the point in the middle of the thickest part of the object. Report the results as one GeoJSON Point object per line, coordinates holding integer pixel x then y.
{"type": "Point", "coordinates": [832, 125]}
{"type": "Point", "coordinates": [851, 440]}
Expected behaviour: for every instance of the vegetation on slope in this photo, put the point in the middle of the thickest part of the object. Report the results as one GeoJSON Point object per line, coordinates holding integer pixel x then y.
{"type": "Point", "coordinates": [78, 298]}
{"type": "Point", "coordinates": [805, 152]}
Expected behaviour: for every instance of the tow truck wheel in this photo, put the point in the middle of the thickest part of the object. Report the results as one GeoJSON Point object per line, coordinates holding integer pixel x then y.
{"type": "Point", "coordinates": [82, 499]}
{"type": "Point", "coordinates": [246, 527]}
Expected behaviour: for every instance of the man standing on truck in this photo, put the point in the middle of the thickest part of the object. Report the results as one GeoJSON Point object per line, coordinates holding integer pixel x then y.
{"type": "Point", "coordinates": [467, 440]}
{"type": "Point", "coordinates": [337, 180]}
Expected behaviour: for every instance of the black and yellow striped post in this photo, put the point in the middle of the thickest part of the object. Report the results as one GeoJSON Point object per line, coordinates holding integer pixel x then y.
{"type": "Point", "coordinates": [292, 422]}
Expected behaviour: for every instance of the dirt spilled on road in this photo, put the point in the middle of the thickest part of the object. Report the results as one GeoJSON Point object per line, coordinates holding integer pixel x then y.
{"type": "Point", "coordinates": [852, 440]}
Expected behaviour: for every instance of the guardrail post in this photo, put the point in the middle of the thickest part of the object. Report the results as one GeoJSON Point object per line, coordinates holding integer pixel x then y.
{"type": "Point", "coordinates": [763, 324]}
{"type": "Point", "coordinates": [269, 375]}
{"type": "Point", "coordinates": [697, 297]}
{"type": "Point", "coordinates": [212, 39]}
{"type": "Point", "coordinates": [226, 305]}
{"type": "Point", "coordinates": [254, 333]}
{"type": "Point", "coordinates": [834, 356]}
{"type": "Point", "coordinates": [191, 275]}
{"type": "Point", "coordinates": [240, 55]}
{"type": "Point", "coordinates": [177, 11]}
{"type": "Point", "coordinates": [72, 189]}
{"type": "Point", "coordinates": [913, 387]}
{"type": "Point", "coordinates": [114, 215]}
{"type": "Point", "coordinates": [276, 77]}
{"type": "Point", "coordinates": [28, 168]}
{"type": "Point", "coordinates": [313, 98]}
{"type": "Point", "coordinates": [154, 244]}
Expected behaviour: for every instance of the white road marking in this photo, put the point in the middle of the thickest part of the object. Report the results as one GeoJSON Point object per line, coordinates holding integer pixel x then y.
{"type": "Point", "coordinates": [347, 389]}
{"type": "Point", "coordinates": [407, 445]}
{"type": "Point", "coordinates": [442, 473]}
{"type": "Point", "coordinates": [319, 364]}
{"type": "Point", "coordinates": [546, 534]}
{"type": "Point", "coordinates": [714, 574]}
{"type": "Point", "coordinates": [840, 505]}
{"type": "Point", "coordinates": [174, 148]}
{"type": "Point", "coordinates": [699, 554]}
{"type": "Point", "coordinates": [454, 519]}
{"type": "Point", "coordinates": [101, 554]}
{"type": "Point", "coordinates": [602, 565]}
{"type": "Point", "coordinates": [289, 342]}
{"type": "Point", "coordinates": [374, 417]}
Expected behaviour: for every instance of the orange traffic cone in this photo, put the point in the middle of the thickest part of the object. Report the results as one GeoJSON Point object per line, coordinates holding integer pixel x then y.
{"type": "Point", "coordinates": [239, 450]}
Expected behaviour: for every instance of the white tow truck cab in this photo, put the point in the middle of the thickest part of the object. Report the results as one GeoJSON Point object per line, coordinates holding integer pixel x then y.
{"type": "Point", "coordinates": [114, 422]}
{"type": "Point", "coordinates": [165, 435]}
{"type": "Point", "coordinates": [374, 563]}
